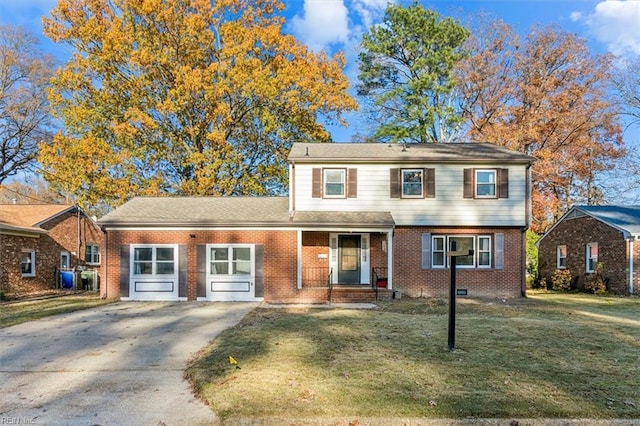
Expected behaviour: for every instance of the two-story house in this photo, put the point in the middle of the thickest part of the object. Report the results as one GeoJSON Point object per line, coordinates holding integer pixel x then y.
{"type": "Point", "coordinates": [39, 241]}
{"type": "Point", "coordinates": [357, 216]}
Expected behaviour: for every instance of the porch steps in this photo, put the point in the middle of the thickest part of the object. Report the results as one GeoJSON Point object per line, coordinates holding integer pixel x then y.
{"type": "Point", "coordinates": [353, 294]}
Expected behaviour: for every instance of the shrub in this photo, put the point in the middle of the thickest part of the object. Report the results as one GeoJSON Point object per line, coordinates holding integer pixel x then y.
{"type": "Point", "coordinates": [596, 283]}
{"type": "Point", "coordinates": [561, 280]}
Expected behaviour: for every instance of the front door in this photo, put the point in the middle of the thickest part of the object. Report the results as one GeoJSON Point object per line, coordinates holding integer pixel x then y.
{"type": "Point", "coordinates": [349, 259]}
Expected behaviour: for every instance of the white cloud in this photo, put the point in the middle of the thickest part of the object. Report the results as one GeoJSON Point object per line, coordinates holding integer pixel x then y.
{"type": "Point", "coordinates": [323, 22]}
{"type": "Point", "coordinates": [369, 11]}
{"type": "Point", "coordinates": [615, 23]}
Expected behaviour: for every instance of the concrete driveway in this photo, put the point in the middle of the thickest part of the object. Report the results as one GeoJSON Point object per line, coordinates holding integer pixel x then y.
{"type": "Point", "coordinates": [120, 364]}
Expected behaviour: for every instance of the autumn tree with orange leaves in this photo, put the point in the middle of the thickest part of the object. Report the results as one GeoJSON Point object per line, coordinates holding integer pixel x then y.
{"type": "Point", "coordinates": [545, 96]}
{"type": "Point", "coordinates": [187, 97]}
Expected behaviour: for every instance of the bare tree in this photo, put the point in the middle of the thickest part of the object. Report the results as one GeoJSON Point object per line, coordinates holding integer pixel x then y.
{"type": "Point", "coordinates": [25, 72]}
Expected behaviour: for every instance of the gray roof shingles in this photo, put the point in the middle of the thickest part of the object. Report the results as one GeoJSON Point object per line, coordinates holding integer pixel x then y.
{"type": "Point", "coordinates": [231, 211]}
{"type": "Point", "coordinates": [626, 218]}
{"type": "Point", "coordinates": [382, 152]}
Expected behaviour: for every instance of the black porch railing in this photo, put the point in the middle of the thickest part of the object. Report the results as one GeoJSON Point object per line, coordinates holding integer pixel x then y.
{"type": "Point", "coordinates": [379, 278]}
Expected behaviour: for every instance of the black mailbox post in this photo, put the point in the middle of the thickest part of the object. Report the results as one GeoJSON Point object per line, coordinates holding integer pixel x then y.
{"type": "Point", "coordinates": [453, 254]}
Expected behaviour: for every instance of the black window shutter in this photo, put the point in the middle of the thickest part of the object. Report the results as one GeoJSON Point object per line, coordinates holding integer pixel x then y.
{"type": "Point", "coordinates": [352, 183]}
{"type": "Point", "coordinates": [201, 270]}
{"type": "Point", "coordinates": [468, 191]}
{"type": "Point", "coordinates": [124, 270]}
{"type": "Point", "coordinates": [394, 183]}
{"type": "Point", "coordinates": [182, 270]}
{"type": "Point", "coordinates": [316, 183]}
{"type": "Point", "coordinates": [503, 191]}
{"type": "Point", "coordinates": [429, 189]}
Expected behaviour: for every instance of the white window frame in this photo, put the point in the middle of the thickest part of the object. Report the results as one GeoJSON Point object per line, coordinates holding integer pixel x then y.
{"type": "Point", "coordinates": [63, 255]}
{"type": "Point", "coordinates": [443, 251]}
{"type": "Point", "coordinates": [590, 258]}
{"type": "Point", "coordinates": [446, 239]}
{"type": "Point", "coordinates": [561, 254]}
{"type": "Point", "coordinates": [419, 171]}
{"type": "Point", "coordinates": [154, 260]}
{"type": "Point", "coordinates": [494, 183]}
{"type": "Point", "coordinates": [91, 251]}
{"type": "Point", "coordinates": [478, 251]}
{"type": "Point", "coordinates": [230, 261]}
{"type": "Point", "coordinates": [343, 183]}
{"type": "Point", "coordinates": [31, 254]}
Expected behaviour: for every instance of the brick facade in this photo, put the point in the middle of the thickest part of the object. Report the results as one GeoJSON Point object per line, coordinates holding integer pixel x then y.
{"type": "Point", "coordinates": [280, 261]}
{"type": "Point", "coordinates": [575, 234]}
{"type": "Point", "coordinates": [66, 232]}
{"type": "Point", "coordinates": [411, 279]}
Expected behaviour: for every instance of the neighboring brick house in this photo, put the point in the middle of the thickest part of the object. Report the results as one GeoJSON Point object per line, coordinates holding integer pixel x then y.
{"type": "Point", "coordinates": [357, 215]}
{"type": "Point", "coordinates": [39, 240]}
{"type": "Point", "coordinates": [588, 235]}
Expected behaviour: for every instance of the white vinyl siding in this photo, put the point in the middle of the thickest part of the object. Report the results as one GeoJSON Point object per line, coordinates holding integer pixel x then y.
{"type": "Point", "coordinates": [448, 208]}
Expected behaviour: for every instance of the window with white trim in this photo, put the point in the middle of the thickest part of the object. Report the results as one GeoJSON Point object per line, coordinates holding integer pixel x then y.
{"type": "Point", "coordinates": [230, 260]}
{"type": "Point", "coordinates": [92, 254]}
{"type": "Point", "coordinates": [28, 263]}
{"type": "Point", "coordinates": [486, 184]}
{"type": "Point", "coordinates": [482, 246]}
{"type": "Point", "coordinates": [334, 183]}
{"type": "Point", "coordinates": [412, 181]}
{"type": "Point", "coordinates": [592, 257]}
{"type": "Point", "coordinates": [561, 257]}
{"type": "Point", "coordinates": [484, 252]}
{"type": "Point", "coordinates": [155, 260]}
{"type": "Point", "coordinates": [438, 251]}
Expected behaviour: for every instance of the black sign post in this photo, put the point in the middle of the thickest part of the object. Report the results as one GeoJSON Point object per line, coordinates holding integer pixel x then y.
{"type": "Point", "coordinates": [453, 254]}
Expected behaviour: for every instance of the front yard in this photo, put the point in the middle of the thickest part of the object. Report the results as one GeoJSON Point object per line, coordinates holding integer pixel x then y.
{"type": "Point", "coordinates": [547, 356]}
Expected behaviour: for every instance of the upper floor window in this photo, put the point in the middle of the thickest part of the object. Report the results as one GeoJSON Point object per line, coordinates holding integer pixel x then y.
{"type": "Point", "coordinates": [592, 257]}
{"type": "Point", "coordinates": [28, 263]}
{"type": "Point", "coordinates": [154, 260]}
{"type": "Point", "coordinates": [412, 183]}
{"type": "Point", "coordinates": [334, 183]}
{"type": "Point", "coordinates": [486, 183]}
{"type": "Point", "coordinates": [561, 257]}
{"type": "Point", "coordinates": [92, 254]}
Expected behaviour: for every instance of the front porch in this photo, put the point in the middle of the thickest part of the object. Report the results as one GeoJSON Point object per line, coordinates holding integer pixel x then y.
{"type": "Point", "coordinates": [345, 267]}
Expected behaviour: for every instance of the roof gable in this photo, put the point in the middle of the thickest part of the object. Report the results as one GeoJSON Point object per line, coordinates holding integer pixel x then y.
{"type": "Point", "coordinates": [29, 217]}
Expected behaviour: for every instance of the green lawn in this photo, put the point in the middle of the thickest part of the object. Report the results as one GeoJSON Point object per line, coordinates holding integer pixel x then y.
{"type": "Point", "coordinates": [546, 356]}
{"type": "Point", "coordinates": [29, 310]}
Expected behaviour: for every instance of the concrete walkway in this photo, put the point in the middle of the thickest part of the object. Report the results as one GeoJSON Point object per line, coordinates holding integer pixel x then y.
{"type": "Point", "coordinates": [119, 364]}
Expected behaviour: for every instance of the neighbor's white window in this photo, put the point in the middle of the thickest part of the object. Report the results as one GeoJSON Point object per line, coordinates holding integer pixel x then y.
{"type": "Point", "coordinates": [28, 263]}
{"type": "Point", "coordinates": [412, 183]}
{"type": "Point", "coordinates": [92, 254]}
{"type": "Point", "coordinates": [230, 260]}
{"type": "Point", "coordinates": [334, 183]}
{"type": "Point", "coordinates": [486, 183]}
{"type": "Point", "coordinates": [561, 256]}
{"type": "Point", "coordinates": [592, 257]}
{"type": "Point", "coordinates": [155, 260]}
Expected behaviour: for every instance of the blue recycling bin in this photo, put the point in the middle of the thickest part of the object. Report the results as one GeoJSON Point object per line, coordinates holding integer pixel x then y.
{"type": "Point", "coordinates": [66, 279]}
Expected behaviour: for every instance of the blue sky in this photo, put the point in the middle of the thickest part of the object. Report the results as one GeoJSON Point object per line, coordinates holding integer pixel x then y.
{"type": "Point", "coordinates": [608, 26]}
